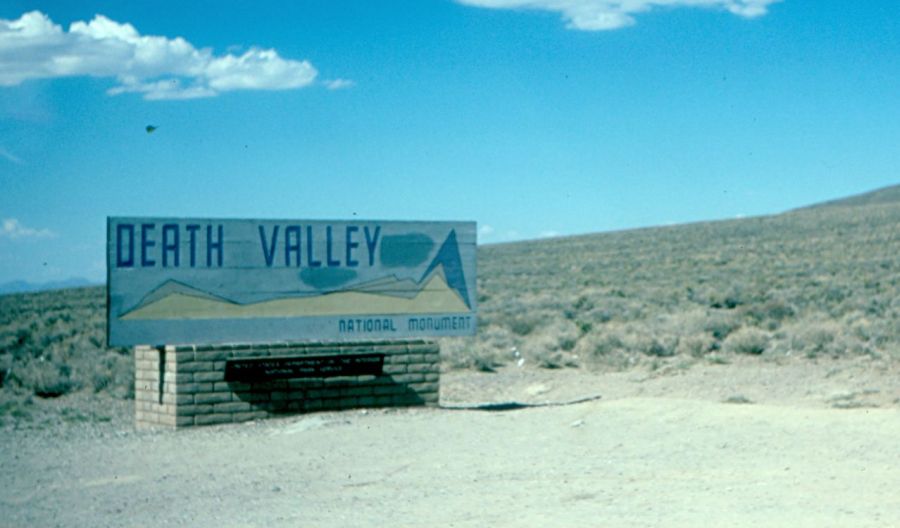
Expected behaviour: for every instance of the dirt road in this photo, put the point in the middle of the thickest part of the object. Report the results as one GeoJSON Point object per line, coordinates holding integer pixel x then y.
{"type": "Point", "coordinates": [626, 462]}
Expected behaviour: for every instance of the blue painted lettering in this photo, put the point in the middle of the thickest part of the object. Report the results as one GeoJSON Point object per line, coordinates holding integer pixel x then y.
{"type": "Point", "coordinates": [332, 263]}
{"type": "Point", "coordinates": [371, 242]}
{"type": "Point", "coordinates": [170, 245]}
{"type": "Point", "coordinates": [214, 246]}
{"type": "Point", "coordinates": [192, 236]}
{"type": "Point", "coordinates": [310, 260]}
{"type": "Point", "coordinates": [351, 245]}
{"type": "Point", "coordinates": [147, 243]}
{"type": "Point", "coordinates": [120, 261]}
{"type": "Point", "coordinates": [291, 246]}
{"type": "Point", "coordinates": [268, 250]}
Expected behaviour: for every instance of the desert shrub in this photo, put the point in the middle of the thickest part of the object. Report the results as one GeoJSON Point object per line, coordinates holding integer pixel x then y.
{"type": "Point", "coordinates": [552, 345]}
{"type": "Point", "coordinates": [544, 352]}
{"type": "Point", "coordinates": [863, 329]}
{"type": "Point", "coordinates": [773, 310]}
{"type": "Point", "coordinates": [459, 353]}
{"type": "Point", "coordinates": [696, 345]}
{"type": "Point", "coordinates": [825, 337]}
{"type": "Point", "coordinates": [729, 299]}
{"type": "Point", "coordinates": [605, 350]}
{"type": "Point", "coordinates": [599, 344]}
{"type": "Point", "coordinates": [564, 334]}
{"type": "Point", "coordinates": [651, 345]}
{"type": "Point", "coordinates": [44, 378]}
{"type": "Point", "coordinates": [522, 325]}
{"type": "Point", "coordinates": [493, 348]}
{"type": "Point", "coordinates": [721, 324]}
{"type": "Point", "coordinates": [747, 340]}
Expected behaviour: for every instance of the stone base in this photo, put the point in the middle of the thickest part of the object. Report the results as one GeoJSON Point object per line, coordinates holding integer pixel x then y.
{"type": "Point", "coordinates": [179, 386]}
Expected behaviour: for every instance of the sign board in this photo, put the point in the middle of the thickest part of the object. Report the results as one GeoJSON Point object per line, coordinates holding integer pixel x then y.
{"type": "Point", "coordinates": [212, 281]}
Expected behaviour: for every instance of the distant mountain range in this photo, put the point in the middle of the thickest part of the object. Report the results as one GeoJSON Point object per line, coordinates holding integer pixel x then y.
{"type": "Point", "coordinates": [20, 286]}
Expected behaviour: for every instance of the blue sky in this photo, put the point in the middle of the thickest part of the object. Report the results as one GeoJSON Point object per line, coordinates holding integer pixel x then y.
{"type": "Point", "coordinates": [533, 118]}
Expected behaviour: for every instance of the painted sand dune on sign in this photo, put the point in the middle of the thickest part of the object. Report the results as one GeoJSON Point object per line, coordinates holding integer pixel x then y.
{"type": "Point", "coordinates": [434, 297]}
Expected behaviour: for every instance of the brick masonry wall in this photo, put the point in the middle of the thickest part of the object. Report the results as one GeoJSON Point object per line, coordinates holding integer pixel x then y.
{"type": "Point", "coordinates": [179, 386]}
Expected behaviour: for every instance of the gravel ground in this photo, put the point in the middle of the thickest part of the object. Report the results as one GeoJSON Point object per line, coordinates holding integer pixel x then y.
{"type": "Point", "coordinates": [747, 444]}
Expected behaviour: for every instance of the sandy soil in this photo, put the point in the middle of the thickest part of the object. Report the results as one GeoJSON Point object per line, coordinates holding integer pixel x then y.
{"type": "Point", "coordinates": [751, 443]}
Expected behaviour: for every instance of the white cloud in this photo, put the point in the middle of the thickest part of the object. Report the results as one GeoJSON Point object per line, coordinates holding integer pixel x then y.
{"type": "Point", "coordinates": [600, 15]}
{"type": "Point", "coordinates": [548, 234]}
{"type": "Point", "coordinates": [485, 231]}
{"type": "Point", "coordinates": [11, 228]}
{"type": "Point", "coordinates": [338, 84]}
{"type": "Point", "coordinates": [33, 47]}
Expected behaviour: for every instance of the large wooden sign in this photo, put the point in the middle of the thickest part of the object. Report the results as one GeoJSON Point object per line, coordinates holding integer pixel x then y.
{"type": "Point", "coordinates": [211, 281]}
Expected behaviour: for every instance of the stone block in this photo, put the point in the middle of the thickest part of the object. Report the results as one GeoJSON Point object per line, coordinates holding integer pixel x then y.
{"type": "Point", "coordinates": [421, 367]}
{"type": "Point", "coordinates": [362, 390]}
{"type": "Point", "coordinates": [251, 396]}
{"type": "Point", "coordinates": [146, 416]}
{"type": "Point", "coordinates": [193, 366]}
{"type": "Point", "coordinates": [212, 397]}
{"type": "Point", "coordinates": [178, 377]}
{"type": "Point", "coordinates": [145, 386]}
{"type": "Point", "coordinates": [210, 419]}
{"type": "Point", "coordinates": [146, 365]}
{"type": "Point", "coordinates": [424, 387]}
{"type": "Point", "coordinates": [249, 416]}
{"type": "Point", "coordinates": [394, 368]}
{"type": "Point", "coordinates": [304, 383]}
{"type": "Point", "coordinates": [348, 402]}
{"type": "Point", "coordinates": [231, 407]}
{"type": "Point", "coordinates": [409, 378]}
{"type": "Point", "coordinates": [428, 348]}
{"type": "Point", "coordinates": [177, 399]}
{"type": "Point", "coordinates": [147, 396]}
{"type": "Point", "coordinates": [147, 375]}
{"type": "Point", "coordinates": [387, 389]}
{"type": "Point", "coordinates": [176, 421]}
{"type": "Point", "coordinates": [396, 359]}
{"type": "Point", "coordinates": [407, 399]}
{"type": "Point", "coordinates": [193, 388]}
{"type": "Point", "coordinates": [179, 356]}
{"type": "Point", "coordinates": [211, 355]}
{"type": "Point", "coordinates": [390, 350]}
{"type": "Point", "coordinates": [384, 400]}
{"type": "Point", "coordinates": [312, 405]}
{"type": "Point", "coordinates": [211, 375]}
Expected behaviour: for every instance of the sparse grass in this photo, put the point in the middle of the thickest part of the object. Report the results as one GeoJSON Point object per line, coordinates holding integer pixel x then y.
{"type": "Point", "coordinates": [820, 282]}
{"type": "Point", "coordinates": [53, 343]}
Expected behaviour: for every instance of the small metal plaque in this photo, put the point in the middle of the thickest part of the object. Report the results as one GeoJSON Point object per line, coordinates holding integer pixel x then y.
{"type": "Point", "coordinates": [272, 368]}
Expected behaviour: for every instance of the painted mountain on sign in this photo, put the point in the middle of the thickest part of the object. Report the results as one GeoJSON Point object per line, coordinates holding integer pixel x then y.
{"type": "Point", "coordinates": [441, 289]}
{"type": "Point", "coordinates": [434, 296]}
